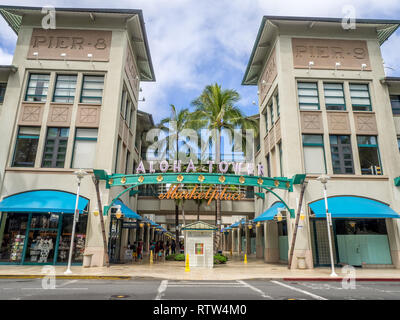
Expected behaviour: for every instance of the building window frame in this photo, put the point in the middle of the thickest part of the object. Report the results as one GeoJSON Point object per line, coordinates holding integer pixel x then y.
{"type": "Point", "coordinates": [374, 170]}
{"type": "Point", "coordinates": [67, 97]}
{"type": "Point", "coordinates": [359, 106]}
{"type": "Point", "coordinates": [341, 154]}
{"type": "Point", "coordinates": [58, 141]}
{"type": "Point", "coordinates": [305, 88]}
{"type": "Point", "coordinates": [315, 145]}
{"type": "Point", "coordinates": [331, 106]}
{"type": "Point", "coordinates": [99, 98]}
{"type": "Point", "coordinates": [43, 88]}
{"type": "Point", "coordinates": [396, 108]}
{"type": "Point", "coordinates": [21, 136]}
{"type": "Point", "coordinates": [82, 139]}
{"type": "Point", "coordinates": [3, 88]}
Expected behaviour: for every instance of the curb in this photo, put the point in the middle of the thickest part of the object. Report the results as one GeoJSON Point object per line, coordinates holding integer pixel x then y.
{"type": "Point", "coordinates": [78, 277]}
{"type": "Point", "coordinates": [341, 279]}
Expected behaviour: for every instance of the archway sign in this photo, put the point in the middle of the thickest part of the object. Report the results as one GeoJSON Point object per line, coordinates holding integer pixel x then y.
{"type": "Point", "coordinates": [134, 180]}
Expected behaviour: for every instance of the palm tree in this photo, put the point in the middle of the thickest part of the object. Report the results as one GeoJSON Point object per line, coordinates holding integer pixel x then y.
{"type": "Point", "coordinates": [215, 109]}
{"type": "Point", "coordinates": [179, 121]}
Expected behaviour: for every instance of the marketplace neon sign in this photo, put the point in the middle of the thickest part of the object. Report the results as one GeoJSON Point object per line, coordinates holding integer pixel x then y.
{"type": "Point", "coordinates": [211, 194]}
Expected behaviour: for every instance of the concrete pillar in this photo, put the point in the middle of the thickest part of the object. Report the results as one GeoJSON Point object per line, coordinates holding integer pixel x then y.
{"type": "Point", "coordinates": [239, 239]}
{"type": "Point", "coordinates": [151, 234]}
{"type": "Point", "coordinates": [233, 240]}
{"type": "Point", "coordinates": [247, 249]}
{"type": "Point", "coordinates": [124, 244]}
{"type": "Point", "coordinates": [392, 226]}
{"type": "Point", "coordinates": [147, 242]}
{"type": "Point", "coordinates": [271, 251]}
{"type": "Point", "coordinates": [259, 242]}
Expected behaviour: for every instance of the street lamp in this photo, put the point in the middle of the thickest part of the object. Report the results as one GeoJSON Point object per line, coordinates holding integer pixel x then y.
{"type": "Point", "coordinates": [324, 180]}
{"type": "Point", "coordinates": [79, 176]}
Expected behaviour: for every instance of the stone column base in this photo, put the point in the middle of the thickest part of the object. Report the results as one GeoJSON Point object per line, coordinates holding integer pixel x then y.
{"type": "Point", "coordinates": [98, 258]}
{"type": "Point", "coordinates": [271, 255]}
{"type": "Point", "coordinates": [395, 258]}
{"type": "Point", "coordinates": [302, 253]}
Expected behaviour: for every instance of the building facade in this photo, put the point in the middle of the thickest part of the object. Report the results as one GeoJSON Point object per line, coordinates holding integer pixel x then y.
{"type": "Point", "coordinates": [326, 107]}
{"type": "Point", "coordinates": [70, 101]}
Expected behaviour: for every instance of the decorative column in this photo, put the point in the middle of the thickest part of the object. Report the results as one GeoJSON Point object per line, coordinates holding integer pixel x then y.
{"type": "Point", "coordinates": [248, 242]}
{"type": "Point", "coordinates": [259, 240]}
{"type": "Point", "coordinates": [239, 239]}
{"type": "Point", "coordinates": [233, 240]}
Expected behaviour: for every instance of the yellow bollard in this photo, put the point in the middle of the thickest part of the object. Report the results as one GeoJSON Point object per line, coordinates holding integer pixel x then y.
{"type": "Point", "coordinates": [151, 256]}
{"type": "Point", "coordinates": [187, 268]}
{"type": "Point", "coordinates": [245, 259]}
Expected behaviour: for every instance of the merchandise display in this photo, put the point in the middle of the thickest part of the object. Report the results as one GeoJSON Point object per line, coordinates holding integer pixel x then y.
{"type": "Point", "coordinates": [17, 247]}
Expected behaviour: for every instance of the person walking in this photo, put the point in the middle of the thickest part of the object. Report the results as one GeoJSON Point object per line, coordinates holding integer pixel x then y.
{"type": "Point", "coordinates": [139, 251]}
{"type": "Point", "coordinates": [134, 251]}
{"type": "Point", "coordinates": [173, 246]}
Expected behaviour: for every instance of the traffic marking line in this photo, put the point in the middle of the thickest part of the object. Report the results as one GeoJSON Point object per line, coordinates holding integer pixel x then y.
{"type": "Point", "coordinates": [300, 290]}
{"type": "Point", "coordinates": [254, 289]}
{"type": "Point", "coordinates": [161, 289]}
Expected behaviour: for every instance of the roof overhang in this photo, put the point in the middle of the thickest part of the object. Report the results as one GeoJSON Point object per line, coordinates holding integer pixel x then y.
{"type": "Point", "coordinates": [134, 24]}
{"type": "Point", "coordinates": [269, 27]}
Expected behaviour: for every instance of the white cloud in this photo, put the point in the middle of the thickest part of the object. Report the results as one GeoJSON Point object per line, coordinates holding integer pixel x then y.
{"type": "Point", "coordinates": [5, 57]}
{"type": "Point", "coordinates": [194, 43]}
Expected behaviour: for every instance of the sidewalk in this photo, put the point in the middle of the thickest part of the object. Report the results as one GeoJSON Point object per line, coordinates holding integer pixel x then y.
{"type": "Point", "coordinates": [173, 270]}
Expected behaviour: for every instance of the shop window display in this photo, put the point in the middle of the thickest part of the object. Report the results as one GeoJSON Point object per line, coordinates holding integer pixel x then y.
{"type": "Point", "coordinates": [12, 236]}
{"type": "Point", "coordinates": [65, 239]}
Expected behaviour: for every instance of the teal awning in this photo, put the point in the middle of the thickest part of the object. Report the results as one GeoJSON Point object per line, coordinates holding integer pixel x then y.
{"type": "Point", "coordinates": [152, 223]}
{"type": "Point", "coordinates": [270, 213]}
{"type": "Point", "coordinates": [42, 201]}
{"type": "Point", "coordinates": [353, 207]}
{"type": "Point", "coordinates": [128, 213]}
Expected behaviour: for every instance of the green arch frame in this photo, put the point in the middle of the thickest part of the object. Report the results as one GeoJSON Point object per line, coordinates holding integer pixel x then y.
{"type": "Point", "coordinates": [135, 180]}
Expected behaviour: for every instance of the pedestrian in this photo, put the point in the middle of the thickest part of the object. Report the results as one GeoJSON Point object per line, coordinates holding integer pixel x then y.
{"type": "Point", "coordinates": [134, 251]}
{"type": "Point", "coordinates": [167, 249]}
{"type": "Point", "coordinates": [173, 246]}
{"type": "Point", "coordinates": [139, 251]}
{"type": "Point", "coordinates": [160, 254]}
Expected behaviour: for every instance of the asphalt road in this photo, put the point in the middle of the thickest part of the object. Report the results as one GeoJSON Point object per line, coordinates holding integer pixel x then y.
{"type": "Point", "coordinates": [140, 289]}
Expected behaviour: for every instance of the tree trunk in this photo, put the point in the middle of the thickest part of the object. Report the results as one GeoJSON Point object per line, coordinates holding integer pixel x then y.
{"type": "Point", "coordinates": [218, 202]}
{"type": "Point", "coordinates": [176, 227]}
{"type": "Point", "coordinates": [198, 211]}
{"type": "Point", "coordinates": [183, 213]}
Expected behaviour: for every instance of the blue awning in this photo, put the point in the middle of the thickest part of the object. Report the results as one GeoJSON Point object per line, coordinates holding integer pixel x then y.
{"type": "Point", "coordinates": [270, 213]}
{"type": "Point", "coordinates": [152, 223]}
{"type": "Point", "coordinates": [236, 224]}
{"type": "Point", "coordinates": [42, 201]}
{"type": "Point", "coordinates": [353, 207]}
{"type": "Point", "coordinates": [128, 213]}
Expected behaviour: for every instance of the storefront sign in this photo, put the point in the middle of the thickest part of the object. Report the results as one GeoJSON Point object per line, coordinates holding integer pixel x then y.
{"type": "Point", "coordinates": [129, 225]}
{"type": "Point", "coordinates": [70, 44]}
{"type": "Point", "coordinates": [222, 167]}
{"type": "Point", "coordinates": [211, 194]}
{"type": "Point", "coordinates": [325, 53]}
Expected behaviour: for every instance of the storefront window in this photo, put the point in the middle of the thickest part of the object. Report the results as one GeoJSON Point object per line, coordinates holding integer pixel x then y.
{"type": "Point", "coordinates": [79, 241]}
{"type": "Point", "coordinates": [12, 236]}
{"type": "Point", "coordinates": [360, 226]}
{"type": "Point", "coordinates": [42, 238]}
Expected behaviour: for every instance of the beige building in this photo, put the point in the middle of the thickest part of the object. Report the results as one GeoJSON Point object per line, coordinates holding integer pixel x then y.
{"type": "Point", "coordinates": [71, 101]}
{"type": "Point", "coordinates": [326, 107]}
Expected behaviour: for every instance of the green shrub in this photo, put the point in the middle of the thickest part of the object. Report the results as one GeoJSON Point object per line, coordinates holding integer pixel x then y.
{"type": "Point", "coordinates": [180, 257]}
{"type": "Point", "coordinates": [170, 257]}
{"type": "Point", "coordinates": [220, 259]}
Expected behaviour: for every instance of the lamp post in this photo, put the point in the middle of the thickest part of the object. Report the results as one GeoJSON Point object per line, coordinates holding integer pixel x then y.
{"type": "Point", "coordinates": [79, 176]}
{"type": "Point", "coordinates": [324, 180]}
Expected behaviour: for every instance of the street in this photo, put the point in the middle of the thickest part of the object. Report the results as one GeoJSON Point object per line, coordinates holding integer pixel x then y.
{"type": "Point", "coordinates": [152, 289]}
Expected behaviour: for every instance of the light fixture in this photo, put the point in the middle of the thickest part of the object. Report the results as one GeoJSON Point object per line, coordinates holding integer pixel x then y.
{"type": "Point", "coordinates": [96, 213]}
{"type": "Point", "coordinates": [118, 214]}
{"type": "Point", "coordinates": [363, 67]}
{"type": "Point", "coordinates": [36, 54]}
{"type": "Point", "coordinates": [141, 224]}
{"type": "Point", "coordinates": [258, 224]}
{"type": "Point", "coordinates": [264, 82]}
{"type": "Point", "coordinates": [64, 56]}
{"type": "Point", "coordinates": [337, 65]}
{"type": "Point", "coordinates": [279, 216]}
{"type": "Point", "coordinates": [302, 216]}
{"type": "Point", "coordinates": [310, 64]}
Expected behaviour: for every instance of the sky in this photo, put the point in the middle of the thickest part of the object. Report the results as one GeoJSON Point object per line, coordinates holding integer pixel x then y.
{"type": "Point", "coordinates": [194, 43]}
